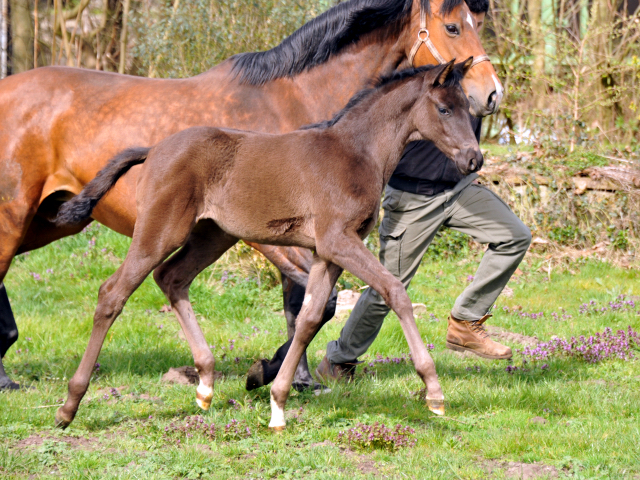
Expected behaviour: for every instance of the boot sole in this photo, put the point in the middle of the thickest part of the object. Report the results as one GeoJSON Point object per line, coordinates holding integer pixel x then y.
{"type": "Point", "coordinates": [458, 348]}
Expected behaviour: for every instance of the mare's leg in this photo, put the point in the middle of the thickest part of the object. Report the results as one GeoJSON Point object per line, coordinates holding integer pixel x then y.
{"type": "Point", "coordinates": [350, 253]}
{"type": "Point", "coordinates": [322, 279]}
{"type": "Point", "coordinates": [17, 207]}
{"type": "Point", "coordinates": [153, 241]}
{"type": "Point", "coordinates": [8, 336]}
{"type": "Point", "coordinates": [206, 244]}
{"type": "Point", "coordinates": [294, 264]}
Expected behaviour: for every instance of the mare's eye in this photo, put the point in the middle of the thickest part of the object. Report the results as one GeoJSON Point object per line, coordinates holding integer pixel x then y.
{"type": "Point", "coordinates": [443, 111]}
{"type": "Point", "coordinates": [452, 29]}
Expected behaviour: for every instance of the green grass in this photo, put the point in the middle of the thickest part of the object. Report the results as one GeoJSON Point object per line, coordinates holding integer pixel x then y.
{"type": "Point", "coordinates": [592, 411]}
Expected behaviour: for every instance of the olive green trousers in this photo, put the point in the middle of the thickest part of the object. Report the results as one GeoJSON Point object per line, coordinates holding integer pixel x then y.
{"type": "Point", "coordinates": [410, 223]}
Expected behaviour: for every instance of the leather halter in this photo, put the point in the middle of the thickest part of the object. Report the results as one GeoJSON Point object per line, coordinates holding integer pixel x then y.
{"type": "Point", "coordinates": [423, 38]}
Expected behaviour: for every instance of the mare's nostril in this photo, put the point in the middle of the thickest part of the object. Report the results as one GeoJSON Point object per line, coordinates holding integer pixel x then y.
{"type": "Point", "coordinates": [491, 104]}
{"type": "Point", "coordinates": [472, 165]}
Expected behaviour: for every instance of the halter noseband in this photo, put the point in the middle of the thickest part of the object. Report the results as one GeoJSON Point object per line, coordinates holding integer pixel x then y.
{"type": "Point", "coordinates": [423, 38]}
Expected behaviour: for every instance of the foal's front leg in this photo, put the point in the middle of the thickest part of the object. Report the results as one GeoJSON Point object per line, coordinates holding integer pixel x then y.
{"type": "Point", "coordinates": [322, 278]}
{"type": "Point", "coordinates": [350, 253]}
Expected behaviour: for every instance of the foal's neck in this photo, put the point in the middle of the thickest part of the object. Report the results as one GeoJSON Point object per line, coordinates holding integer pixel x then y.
{"type": "Point", "coordinates": [380, 128]}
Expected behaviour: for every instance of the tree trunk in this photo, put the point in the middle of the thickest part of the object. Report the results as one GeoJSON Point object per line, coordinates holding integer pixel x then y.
{"type": "Point", "coordinates": [21, 36]}
{"type": "Point", "coordinates": [4, 37]}
{"type": "Point", "coordinates": [602, 19]}
{"type": "Point", "coordinates": [537, 40]}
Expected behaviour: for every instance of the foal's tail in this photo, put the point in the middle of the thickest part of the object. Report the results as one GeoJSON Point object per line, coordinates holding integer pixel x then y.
{"type": "Point", "coordinates": [79, 208]}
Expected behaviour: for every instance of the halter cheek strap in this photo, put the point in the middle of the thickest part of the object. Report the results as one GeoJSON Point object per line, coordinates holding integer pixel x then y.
{"type": "Point", "coordinates": [423, 38]}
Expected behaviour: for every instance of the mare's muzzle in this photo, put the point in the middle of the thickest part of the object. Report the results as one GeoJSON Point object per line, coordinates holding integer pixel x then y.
{"type": "Point", "coordinates": [469, 160]}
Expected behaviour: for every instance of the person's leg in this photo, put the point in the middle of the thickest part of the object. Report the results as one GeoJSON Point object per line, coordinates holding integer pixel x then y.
{"type": "Point", "coordinates": [481, 214]}
{"type": "Point", "coordinates": [410, 222]}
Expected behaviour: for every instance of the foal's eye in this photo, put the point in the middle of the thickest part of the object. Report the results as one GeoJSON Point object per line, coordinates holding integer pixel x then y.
{"type": "Point", "coordinates": [443, 111]}
{"type": "Point", "coordinates": [452, 29]}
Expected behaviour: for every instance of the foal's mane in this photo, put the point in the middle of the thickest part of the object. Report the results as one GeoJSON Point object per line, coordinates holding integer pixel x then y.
{"type": "Point", "coordinates": [393, 78]}
{"type": "Point", "coordinates": [326, 35]}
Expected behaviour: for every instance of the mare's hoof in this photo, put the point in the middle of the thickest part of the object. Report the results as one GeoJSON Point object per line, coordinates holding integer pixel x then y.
{"type": "Point", "coordinates": [9, 386]}
{"type": "Point", "coordinates": [61, 421]}
{"type": "Point", "coordinates": [318, 388]}
{"type": "Point", "coordinates": [436, 405]}
{"type": "Point", "coordinates": [277, 429]}
{"type": "Point", "coordinates": [255, 375]}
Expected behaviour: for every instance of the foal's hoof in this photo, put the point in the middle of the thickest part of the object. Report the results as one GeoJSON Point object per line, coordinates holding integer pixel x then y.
{"type": "Point", "coordinates": [255, 375]}
{"type": "Point", "coordinates": [278, 429]}
{"type": "Point", "coordinates": [436, 405]}
{"type": "Point", "coordinates": [204, 395]}
{"type": "Point", "coordinates": [61, 420]}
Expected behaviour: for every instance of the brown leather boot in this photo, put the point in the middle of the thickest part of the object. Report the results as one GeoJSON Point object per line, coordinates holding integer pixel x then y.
{"type": "Point", "coordinates": [473, 337]}
{"type": "Point", "coordinates": [328, 371]}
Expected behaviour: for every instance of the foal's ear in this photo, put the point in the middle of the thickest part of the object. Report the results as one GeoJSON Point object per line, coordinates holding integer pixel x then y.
{"type": "Point", "coordinates": [464, 67]}
{"type": "Point", "coordinates": [444, 72]}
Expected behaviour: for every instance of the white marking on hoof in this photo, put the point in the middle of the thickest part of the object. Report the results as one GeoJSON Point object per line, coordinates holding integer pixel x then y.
{"type": "Point", "coordinates": [277, 416]}
{"type": "Point", "coordinates": [470, 20]}
{"type": "Point", "coordinates": [204, 395]}
{"type": "Point", "coordinates": [307, 299]}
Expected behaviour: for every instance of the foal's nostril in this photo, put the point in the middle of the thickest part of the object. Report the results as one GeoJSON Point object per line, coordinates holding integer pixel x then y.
{"type": "Point", "coordinates": [473, 165]}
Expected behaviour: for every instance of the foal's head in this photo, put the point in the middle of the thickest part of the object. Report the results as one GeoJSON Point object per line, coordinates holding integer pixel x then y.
{"type": "Point", "coordinates": [441, 115]}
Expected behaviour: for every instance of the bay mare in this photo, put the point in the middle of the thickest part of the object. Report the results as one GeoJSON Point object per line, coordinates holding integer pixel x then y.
{"type": "Point", "coordinates": [203, 189]}
{"type": "Point", "coordinates": [59, 126]}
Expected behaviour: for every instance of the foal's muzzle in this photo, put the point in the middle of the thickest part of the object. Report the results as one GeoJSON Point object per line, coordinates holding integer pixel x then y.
{"type": "Point", "coordinates": [469, 160]}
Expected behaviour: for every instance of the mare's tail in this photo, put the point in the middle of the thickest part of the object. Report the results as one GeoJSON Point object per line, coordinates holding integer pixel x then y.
{"type": "Point", "coordinates": [79, 208]}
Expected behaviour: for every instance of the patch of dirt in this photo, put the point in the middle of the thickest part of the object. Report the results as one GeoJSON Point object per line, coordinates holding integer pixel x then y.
{"type": "Point", "coordinates": [519, 470]}
{"type": "Point", "coordinates": [185, 376]}
{"type": "Point", "coordinates": [539, 420]}
{"type": "Point", "coordinates": [498, 334]}
{"type": "Point", "coordinates": [364, 463]}
{"type": "Point", "coordinates": [33, 441]}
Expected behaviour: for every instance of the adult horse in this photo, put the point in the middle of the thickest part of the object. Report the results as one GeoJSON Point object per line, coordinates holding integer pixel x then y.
{"type": "Point", "coordinates": [59, 126]}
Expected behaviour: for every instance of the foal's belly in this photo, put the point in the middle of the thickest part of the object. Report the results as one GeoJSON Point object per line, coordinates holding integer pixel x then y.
{"type": "Point", "coordinates": [275, 228]}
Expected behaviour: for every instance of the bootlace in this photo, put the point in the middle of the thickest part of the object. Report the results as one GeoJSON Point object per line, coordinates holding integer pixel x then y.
{"type": "Point", "coordinates": [478, 327]}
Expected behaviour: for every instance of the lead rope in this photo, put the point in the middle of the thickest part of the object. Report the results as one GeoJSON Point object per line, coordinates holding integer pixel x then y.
{"type": "Point", "coordinates": [423, 38]}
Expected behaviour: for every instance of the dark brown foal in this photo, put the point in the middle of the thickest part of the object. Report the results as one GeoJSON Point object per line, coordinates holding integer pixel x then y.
{"type": "Point", "coordinates": [319, 187]}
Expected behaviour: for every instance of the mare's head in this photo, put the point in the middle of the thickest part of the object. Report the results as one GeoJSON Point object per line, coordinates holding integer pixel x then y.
{"type": "Point", "coordinates": [399, 33]}
{"type": "Point", "coordinates": [453, 28]}
{"type": "Point", "coordinates": [441, 114]}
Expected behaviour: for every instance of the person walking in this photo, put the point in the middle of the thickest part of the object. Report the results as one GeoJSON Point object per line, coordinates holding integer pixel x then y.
{"type": "Point", "coordinates": [425, 193]}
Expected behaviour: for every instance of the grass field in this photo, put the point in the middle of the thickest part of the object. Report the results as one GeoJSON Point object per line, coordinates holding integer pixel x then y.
{"type": "Point", "coordinates": [562, 417]}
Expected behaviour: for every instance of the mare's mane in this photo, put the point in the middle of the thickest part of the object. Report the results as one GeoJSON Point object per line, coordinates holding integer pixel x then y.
{"type": "Point", "coordinates": [326, 35]}
{"type": "Point", "coordinates": [395, 77]}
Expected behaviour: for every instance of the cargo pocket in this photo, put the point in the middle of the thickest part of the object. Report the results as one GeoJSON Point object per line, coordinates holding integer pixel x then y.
{"type": "Point", "coordinates": [391, 248]}
{"type": "Point", "coordinates": [392, 199]}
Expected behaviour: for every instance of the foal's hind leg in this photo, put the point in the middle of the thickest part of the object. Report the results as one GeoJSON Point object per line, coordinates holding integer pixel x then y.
{"type": "Point", "coordinates": [150, 246]}
{"type": "Point", "coordinates": [205, 245]}
{"type": "Point", "coordinates": [350, 253]}
{"type": "Point", "coordinates": [322, 278]}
